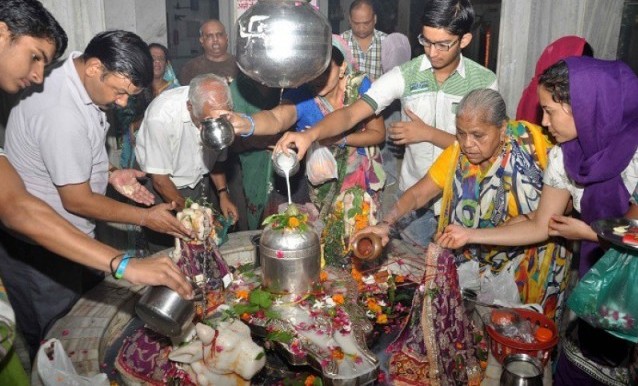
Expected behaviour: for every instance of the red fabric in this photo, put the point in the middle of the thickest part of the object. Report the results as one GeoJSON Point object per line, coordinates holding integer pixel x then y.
{"type": "Point", "coordinates": [528, 107]}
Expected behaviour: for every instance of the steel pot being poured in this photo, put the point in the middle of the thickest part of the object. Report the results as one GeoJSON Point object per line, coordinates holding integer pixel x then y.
{"type": "Point", "coordinates": [283, 43]}
{"type": "Point", "coordinates": [217, 133]}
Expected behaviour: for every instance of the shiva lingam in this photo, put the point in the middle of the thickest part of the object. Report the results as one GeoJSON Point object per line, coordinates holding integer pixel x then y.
{"type": "Point", "coordinates": [316, 310]}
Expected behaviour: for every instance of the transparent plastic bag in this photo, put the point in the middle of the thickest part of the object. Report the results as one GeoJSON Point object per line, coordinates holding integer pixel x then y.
{"type": "Point", "coordinates": [56, 369]}
{"type": "Point", "coordinates": [321, 165]}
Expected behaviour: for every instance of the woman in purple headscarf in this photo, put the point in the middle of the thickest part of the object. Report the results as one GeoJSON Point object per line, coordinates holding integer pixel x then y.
{"type": "Point", "coordinates": [590, 106]}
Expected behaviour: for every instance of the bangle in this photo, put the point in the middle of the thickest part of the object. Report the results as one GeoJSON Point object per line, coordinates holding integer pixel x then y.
{"type": "Point", "coordinates": [344, 142]}
{"type": "Point", "coordinates": [222, 190]}
{"type": "Point", "coordinates": [119, 272]}
{"type": "Point", "coordinates": [252, 125]}
{"type": "Point", "coordinates": [111, 263]}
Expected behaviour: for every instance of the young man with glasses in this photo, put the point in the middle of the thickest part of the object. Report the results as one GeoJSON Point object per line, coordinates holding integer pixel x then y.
{"type": "Point", "coordinates": [430, 87]}
{"type": "Point", "coordinates": [216, 59]}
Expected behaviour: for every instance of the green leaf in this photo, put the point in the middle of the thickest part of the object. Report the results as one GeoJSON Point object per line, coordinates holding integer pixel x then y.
{"type": "Point", "coordinates": [260, 298]}
{"type": "Point", "coordinates": [352, 212]}
{"type": "Point", "coordinates": [280, 336]}
{"type": "Point", "coordinates": [188, 202]}
{"type": "Point", "coordinates": [270, 314]}
{"type": "Point", "coordinates": [241, 309]}
{"type": "Point", "coordinates": [260, 355]}
{"type": "Point", "coordinates": [317, 382]}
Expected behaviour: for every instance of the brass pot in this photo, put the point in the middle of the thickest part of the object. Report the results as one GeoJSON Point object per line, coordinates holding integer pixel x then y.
{"type": "Point", "coordinates": [367, 246]}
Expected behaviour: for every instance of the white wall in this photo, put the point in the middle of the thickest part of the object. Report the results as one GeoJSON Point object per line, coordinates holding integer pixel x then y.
{"type": "Point", "coordinates": [528, 26]}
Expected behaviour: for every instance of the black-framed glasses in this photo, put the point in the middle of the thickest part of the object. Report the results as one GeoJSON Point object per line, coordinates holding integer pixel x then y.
{"type": "Point", "coordinates": [440, 46]}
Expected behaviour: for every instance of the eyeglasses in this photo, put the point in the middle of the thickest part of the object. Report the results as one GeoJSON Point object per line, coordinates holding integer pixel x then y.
{"type": "Point", "coordinates": [440, 46]}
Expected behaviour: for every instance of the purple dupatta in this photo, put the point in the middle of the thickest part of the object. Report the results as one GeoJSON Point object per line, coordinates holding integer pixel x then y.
{"type": "Point", "coordinates": [604, 101]}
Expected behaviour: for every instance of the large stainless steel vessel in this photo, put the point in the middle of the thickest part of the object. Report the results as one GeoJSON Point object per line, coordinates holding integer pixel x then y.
{"type": "Point", "coordinates": [290, 260]}
{"type": "Point", "coordinates": [283, 43]}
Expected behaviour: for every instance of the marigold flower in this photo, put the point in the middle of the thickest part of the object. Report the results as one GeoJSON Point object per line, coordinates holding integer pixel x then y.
{"type": "Point", "coordinates": [373, 305]}
{"type": "Point", "coordinates": [399, 279]}
{"type": "Point", "coordinates": [310, 380]}
{"type": "Point", "coordinates": [293, 222]}
{"type": "Point", "coordinates": [242, 294]}
{"type": "Point", "coordinates": [245, 317]}
{"type": "Point", "coordinates": [356, 275]}
{"type": "Point", "coordinates": [338, 298]}
{"type": "Point", "coordinates": [323, 276]}
{"type": "Point", "coordinates": [382, 319]}
{"type": "Point", "coordinates": [337, 353]}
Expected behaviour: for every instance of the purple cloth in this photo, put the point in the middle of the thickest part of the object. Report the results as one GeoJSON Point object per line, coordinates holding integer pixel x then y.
{"type": "Point", "coordinates": [604, 101]}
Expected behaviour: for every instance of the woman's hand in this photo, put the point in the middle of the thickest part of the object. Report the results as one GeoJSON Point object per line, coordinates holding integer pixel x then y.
{"type": "Point", "coordinates": [126, 183]}
{"type": "Point", "coordinates": [570, 228]}
{"type": "Point", "coordinates": [160, 218]}
{"type": "Point", "coordinates": [301, 140]}
{"type": "Point", "coordinates": [158, 270]}
{"type": "Point", "coordinates": [382, 230]}
{"type": "Point", "coordinates": [454, 237]}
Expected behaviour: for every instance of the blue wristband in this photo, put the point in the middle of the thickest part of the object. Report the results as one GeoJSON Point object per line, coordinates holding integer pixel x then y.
{"type": "Point", "coordinates": [252, 125]}
{"type": "Point", "coordinates": [119, 272]}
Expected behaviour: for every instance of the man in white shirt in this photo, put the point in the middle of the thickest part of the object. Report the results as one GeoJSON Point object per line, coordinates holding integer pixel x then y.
{"type": "Point", "coordinates": [170, 150]}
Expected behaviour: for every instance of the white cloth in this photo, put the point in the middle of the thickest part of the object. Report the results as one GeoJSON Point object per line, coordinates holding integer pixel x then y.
{"type": "Point", "coordinates": [556, 176]}
{"type": "Point", "coordinates": [56, 137]}
{"type": "Point", "coordinates": [415, 84]}
{"type": "Point", "coordinates": [168, 143]}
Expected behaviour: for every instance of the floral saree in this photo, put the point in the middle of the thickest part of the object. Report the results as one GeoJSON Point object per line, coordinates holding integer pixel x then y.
{"type": "Point", "coordinates": [436, 344]}
{"type": "Point", "coordinates": [355, 166]}
{"type": "Point", "coordinates": [477, 197]}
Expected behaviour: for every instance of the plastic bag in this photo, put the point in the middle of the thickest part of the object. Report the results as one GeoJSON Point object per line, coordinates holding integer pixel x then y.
{"type": "Point", "coordinates": [321, 165]}
{"type": "Point", "coordinates": [56, 369]}
{"type": "Point", "coordinates": [607, 296]}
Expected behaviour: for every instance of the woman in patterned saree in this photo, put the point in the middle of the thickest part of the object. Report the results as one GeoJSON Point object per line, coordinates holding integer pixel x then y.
{"type": "Point", "coordinates": [591, 108]}
{"type": "Point", "coordinates": [491, 174]}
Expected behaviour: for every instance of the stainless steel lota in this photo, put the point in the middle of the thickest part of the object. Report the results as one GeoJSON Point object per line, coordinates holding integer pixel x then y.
{"type": "Point", "coordinates": [217, 133]}
{"type": "Point", "coordinates": [290, 260]}
{"type": "Point", "coordinates": [283, 43]}
{"type": "Point", "coordinates": [282, 161]}
{"type": "Point", "coordinates": [165, 311]}
{"type": "Point", "coordinates": [521, 370]}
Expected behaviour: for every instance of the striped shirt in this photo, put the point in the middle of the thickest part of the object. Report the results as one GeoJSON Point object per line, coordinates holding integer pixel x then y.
{"type": "Point", "coordinates": [415, 84]}
{"type": "Point", "coordinates": [368, 61]}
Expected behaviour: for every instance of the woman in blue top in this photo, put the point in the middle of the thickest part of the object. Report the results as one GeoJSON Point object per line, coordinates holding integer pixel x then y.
{"type": "Point", "coordinates": [358, 157]}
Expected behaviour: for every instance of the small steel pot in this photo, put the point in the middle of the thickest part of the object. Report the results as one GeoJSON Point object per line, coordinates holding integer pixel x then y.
{"type": "Point", "coordinates": [521, 370]}
{"type": "Point", "coordinates": [217, 133]}
{"type": "Point", "coordinates": [282, 161]}
{"type": "Point", "coordinates": [165, 311]}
